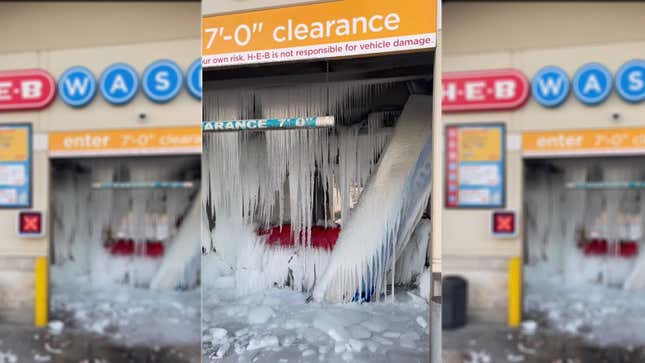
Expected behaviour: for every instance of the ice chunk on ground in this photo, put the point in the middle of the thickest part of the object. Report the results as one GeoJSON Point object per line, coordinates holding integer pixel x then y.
{"type": "Point", "coordinates": [422, 322]}
{"type": "Point", "coordinates": [424, 284]}
{"type": "Point", "coordinates": [8, 357]}
{"type": "Point", "coordinates": [315, 327]}
{"type": "Point", "coordinates": [514, 358]}
{"type": "Point", "coordinates": [42, 358]}
{"type": "Point", "coordinates": [348, 357]}
{"type": "Point", "coordinates": [260, 315]}
{"type": "Point", "coordinates": [359, 332]}
{"type": "Point", "coordinates": [221, 351]}
{"type": "Point", "coordinates": [382, 340]}
{"type": "Point", "coordinates": [55, 327]}
{"type": "Point", "coordinates": [375, 325]}
{"type": "Point", "coordinates": [218, 334]}
{"type": "Point", "coordinates": [339, 347]}
{"type": "Point", "coordinates": [263, 342]}
{"type": "Point", "coordinates": [529, 327]}
{"type": "Point", "coordinates": [332, 326]}
{"type": "Point", "coordinates": [478, 357]}
{"type": "Point", "coordinates": [356, 345]}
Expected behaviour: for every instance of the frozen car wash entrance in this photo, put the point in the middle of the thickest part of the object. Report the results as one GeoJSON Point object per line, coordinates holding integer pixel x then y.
{"type": "Point", "coordinates": [125, 237]}
{"type": "Point", "coordinates": [328, 203]}
{"type": "Point", "coordinates": [584, 223]}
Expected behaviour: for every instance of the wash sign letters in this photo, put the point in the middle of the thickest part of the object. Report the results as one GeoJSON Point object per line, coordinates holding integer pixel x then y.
{"type": "Point", "coordinates": [327, 29]}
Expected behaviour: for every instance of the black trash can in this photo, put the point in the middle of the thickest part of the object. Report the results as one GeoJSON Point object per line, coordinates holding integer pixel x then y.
{"type": "Point", "coordinates": [454, 302]}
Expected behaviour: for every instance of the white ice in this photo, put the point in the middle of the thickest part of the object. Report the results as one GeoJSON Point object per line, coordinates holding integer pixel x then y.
{"type": "Point", "coordinates": [285, 327]}
{"type": "Point", "coordinates": [365, 247]}
{"type": "Point", "coordinates": [85, 218]}
{"type": "Point", "coordinates": [599, 298]}
{"type": "Point", "coordinates": [127, 314]}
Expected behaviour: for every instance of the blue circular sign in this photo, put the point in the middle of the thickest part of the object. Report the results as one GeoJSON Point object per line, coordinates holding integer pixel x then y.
{"type": "Point", "coordinates": [77, 86]}
{"type": "Point", "coordinates": [162, 81]}
{"type": "Point", "coordinates": [630, 81]}
{"type": "Point", "coordinates": [194, 79]}
{"type": "Point", "coordinates": [119, 84]}
{"type": "Point", "coordinates": [592, 83]}
{"type": "Point", "coordinates": [550, 86]}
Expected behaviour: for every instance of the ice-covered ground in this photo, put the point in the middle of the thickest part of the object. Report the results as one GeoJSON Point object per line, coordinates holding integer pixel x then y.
{"type": "Point", "coordinates": [278, 326]}
{"type": "Point", "coordinates": [600, 315]}
{"type": "Point", "coordinates": [127, 315]}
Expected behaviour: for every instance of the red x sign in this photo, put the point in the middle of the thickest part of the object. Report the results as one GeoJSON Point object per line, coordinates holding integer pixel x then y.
{"type": "Point", "coordinates": [504, 224]}
{"type": "Point", "coordinates": [30, 224]}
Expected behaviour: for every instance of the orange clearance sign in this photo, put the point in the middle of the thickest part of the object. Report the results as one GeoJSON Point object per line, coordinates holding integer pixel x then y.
{"type": "Point", "coordinates": [326, 29]}
{"type": "Point", "coordinates": [176, 140]}
{"type": "Point", "coordinates": [584, 142]}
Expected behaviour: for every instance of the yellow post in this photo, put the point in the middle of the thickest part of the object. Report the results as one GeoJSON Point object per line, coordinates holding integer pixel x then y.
{"type": "Point", "coordinates": [41, 280]}
{"type": "Point", "coordinates": [515, 292]}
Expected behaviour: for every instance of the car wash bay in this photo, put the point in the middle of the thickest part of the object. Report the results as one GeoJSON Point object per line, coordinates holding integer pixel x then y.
{"type": "Point", "coordinates": [125, 233]}
{"type": "Point", "coordinates": [583, 246]}
{"type": "Point", "coordinates": [290, 211]}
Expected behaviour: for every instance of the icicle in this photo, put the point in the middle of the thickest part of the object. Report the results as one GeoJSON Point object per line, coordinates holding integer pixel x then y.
{"type": "Point", "coordinates": [362, 255]}
{"type": "Point", "coordinates": [260, 179]}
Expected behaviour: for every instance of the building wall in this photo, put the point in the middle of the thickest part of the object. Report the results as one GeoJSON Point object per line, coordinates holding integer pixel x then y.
{"type": "Point", "coordinates": [528, 36]}
{"type": "Point", "coordinates": [217, 7]}
{"type": "Point", "coordinates": [70, 34]}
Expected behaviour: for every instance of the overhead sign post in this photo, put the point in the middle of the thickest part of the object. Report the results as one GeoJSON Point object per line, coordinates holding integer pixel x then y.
{"type": "Point", "coordinates": [475, 166]}
{"type": "Point", "coordinates": [269, 124]}
{"type": "Point", "coordinates": [15, 166]}
{"type": "Point", "coordinates": [327, 29]}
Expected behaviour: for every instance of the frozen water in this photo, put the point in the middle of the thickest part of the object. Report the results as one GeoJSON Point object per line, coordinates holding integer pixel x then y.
{"type": "Point", "coordinates": [360, 260]}
{"type": "Point", "coordinates": [422, 322]}
{"type": "Point", "coordinates": [598, 297]}
{"type": "Point", "coordinates": [558, 218]}
{"type": "Point", "coordinates": [601, 315]}
{"type": "Point", "coordinates": [529, 327]}
{"type": "Point", "coordinates": [127, 314]}
{"type": "Point", "coordinates": [42, 358]}
{"type": "Point", "coordinates": [8, 357]}
{"type": "Point", "coordinates": [85, 220]}
{"type": "Point", "coordinates": [411, 263]}
{"type": "Point", "coordinates": [424, 284]}
{"type": "Point", "coordinates": [255, 180]}
{"type": "Point", "coordinates": [260, 315]}
{"type": "Point", "coordinates": [178, 264]}
{"type": "Point", "coordinates": [55, 327]}
{"type": "Point", "coordinates": [321, 330]}
{"type": "Point", "coordinates": [260, 179]}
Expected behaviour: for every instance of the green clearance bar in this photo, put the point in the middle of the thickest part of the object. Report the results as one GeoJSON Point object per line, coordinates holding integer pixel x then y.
{"type": "Point", "coordinates": [269, 124]}
{"type": "Point", "coordinates": [144, 185]}
{"type": "Point", "coordinates": [607, 185]}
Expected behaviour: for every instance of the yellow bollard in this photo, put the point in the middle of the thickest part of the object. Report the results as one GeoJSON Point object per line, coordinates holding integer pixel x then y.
{"type": "Point", "coordinates": [515, 292]}
{"type": "Point", "coordinates": [41, 280]}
